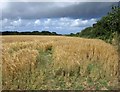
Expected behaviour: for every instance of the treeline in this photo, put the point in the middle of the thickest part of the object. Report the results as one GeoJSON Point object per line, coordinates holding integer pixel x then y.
{"type": "Point", "coordinates": [107, 28]}
{"type": "Point", "coordinates": [29, 33]}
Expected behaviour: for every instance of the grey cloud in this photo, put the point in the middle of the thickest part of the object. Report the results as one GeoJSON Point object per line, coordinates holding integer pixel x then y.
{"type": "Point", "coordinates": [86, 10]}
{"type": "Point", "coordinates": [36, 10]}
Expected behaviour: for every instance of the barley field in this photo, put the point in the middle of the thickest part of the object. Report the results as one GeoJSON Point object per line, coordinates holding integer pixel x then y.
{"type": "Point", "coordinates": [58, 63]}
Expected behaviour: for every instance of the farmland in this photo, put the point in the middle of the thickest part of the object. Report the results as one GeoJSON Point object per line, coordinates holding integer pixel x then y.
{"type": "Point", "coordinates": [58, 63]}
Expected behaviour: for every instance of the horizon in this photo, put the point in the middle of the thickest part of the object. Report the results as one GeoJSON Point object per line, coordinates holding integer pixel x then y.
{"type": "Point", "coordinates": [59, 17]}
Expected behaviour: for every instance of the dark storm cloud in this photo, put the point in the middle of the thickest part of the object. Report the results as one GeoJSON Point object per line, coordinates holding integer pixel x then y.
{"type": "Point", "coordinates": [30, 10]}
{"type": "Point", "coordinates": [85, 10]}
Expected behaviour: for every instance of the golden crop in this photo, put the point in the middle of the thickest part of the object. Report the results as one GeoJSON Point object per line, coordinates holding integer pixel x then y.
{"type": "Point", "coordinates": [69, 55]}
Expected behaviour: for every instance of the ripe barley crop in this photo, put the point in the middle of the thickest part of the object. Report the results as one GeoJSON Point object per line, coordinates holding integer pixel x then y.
{"type": "Point", "coordinates": [72, 54]}
{"type": "Point", "coordinates": [44, 62]}
{"type": "Point", "coordinates": [0, 64]}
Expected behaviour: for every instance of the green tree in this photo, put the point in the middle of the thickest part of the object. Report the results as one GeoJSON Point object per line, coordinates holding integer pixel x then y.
{"type": "Point", "coordinates": [107, 28]}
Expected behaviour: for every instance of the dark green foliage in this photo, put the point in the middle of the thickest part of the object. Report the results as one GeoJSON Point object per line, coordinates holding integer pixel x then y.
{"type": "Point", "coordinates": [29, 33]}
{"type": "Point", "coordinates": [107, 28]}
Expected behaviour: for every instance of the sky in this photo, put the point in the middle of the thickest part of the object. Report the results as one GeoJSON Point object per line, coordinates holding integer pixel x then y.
{"type": "Point", "coordinates": [60, 17]}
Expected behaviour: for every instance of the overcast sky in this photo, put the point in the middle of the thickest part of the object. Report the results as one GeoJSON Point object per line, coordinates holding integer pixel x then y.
{"type": "Point", "coordinates": [59, 17]}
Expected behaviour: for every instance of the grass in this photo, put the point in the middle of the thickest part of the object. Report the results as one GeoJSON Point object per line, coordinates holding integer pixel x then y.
{"type": "Point", "coordinates": [58, 63]}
